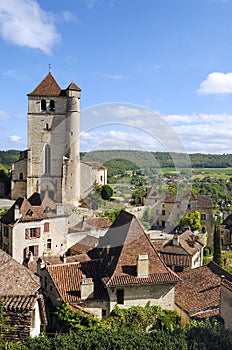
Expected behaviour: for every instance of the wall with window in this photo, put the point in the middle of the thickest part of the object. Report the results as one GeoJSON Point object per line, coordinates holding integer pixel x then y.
{"type": "Point", "coordinates": [156, 294]}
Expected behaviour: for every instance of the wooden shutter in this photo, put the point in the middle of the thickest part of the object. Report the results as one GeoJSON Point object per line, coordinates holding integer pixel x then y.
{"type": "Point", "coordinates": [37, 232]}
{"type": "Point", "coordinates": [27, 233]}
{"type": "Point", "coordinates": [25, 252]}
{"type": "Point", "coordinates": [36, 250]}
{"type": "Point", "coordinates": [46, 227]}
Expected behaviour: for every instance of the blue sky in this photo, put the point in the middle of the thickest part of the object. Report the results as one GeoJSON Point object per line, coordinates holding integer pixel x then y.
{"type": "Point", "coordinates": [172, 57]}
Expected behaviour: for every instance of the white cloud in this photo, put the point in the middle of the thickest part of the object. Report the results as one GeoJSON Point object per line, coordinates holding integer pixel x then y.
{"type": "Point", "coordinates": [216, 83]}
{"type": "Point", "coordinates": [69, 16]}
{"type": "Point", "coordinates": [15, 138]}
{"type": "Point", "coordinates": [24, 23]}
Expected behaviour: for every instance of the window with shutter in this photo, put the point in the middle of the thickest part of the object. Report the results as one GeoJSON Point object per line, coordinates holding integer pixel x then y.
{"type": "Point", "coordinates": [37, 232]}
{"type": "Point", "coordinates": [25, 252]}
{"type": "Point", "coordinates": [36, 250]}
{"type": "Point", "coordinates": [27, 233]}
{"type": "Point", "coordinates": [46, 227]}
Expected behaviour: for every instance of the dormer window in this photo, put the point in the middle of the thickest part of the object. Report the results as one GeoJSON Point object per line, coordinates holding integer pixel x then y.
{"type": "Point", "coordinates": [52, 105]}
{"type": "Point", "coordinates": [43, 105]}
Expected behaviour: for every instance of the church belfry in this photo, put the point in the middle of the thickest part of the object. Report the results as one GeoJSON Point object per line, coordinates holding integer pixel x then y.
{"type": "Point", "coordinates": [53, 141]}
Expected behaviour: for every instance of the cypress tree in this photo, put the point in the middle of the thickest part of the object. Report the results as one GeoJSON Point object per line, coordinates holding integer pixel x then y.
{"type": "Point", "coordinates": [217, 244]}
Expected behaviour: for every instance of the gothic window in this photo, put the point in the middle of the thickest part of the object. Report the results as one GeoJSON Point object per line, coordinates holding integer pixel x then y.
{"type": "Point", "coordinates": [52, 105]}
{"type": "Point", "coordinates": [47, 159]}
{"type": "Point", "coordinates": [43, 105]}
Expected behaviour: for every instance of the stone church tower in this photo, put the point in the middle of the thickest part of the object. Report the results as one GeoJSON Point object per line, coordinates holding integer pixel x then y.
{"type": "Point", "coordinates": [53, 155]}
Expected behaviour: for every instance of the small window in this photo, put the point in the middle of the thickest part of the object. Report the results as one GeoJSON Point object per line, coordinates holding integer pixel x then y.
{"type": "Point", "coordinates": [163, 212]}
{"type": "Point", "coordinates": [163, 224]}
{"type": "Point", "coordinates": [43, 105]}
{"type": "Point", "coordinates": [52, 105]}
{"type": "Point", "coordinates": [203, 216]}
{"type": "Point", "coordinates": [101, 178]}
{"type": "Point", "coordinates": [120, 296]}
{"type": "Point", "coordinates": [21, 176]}
{"type": "Point", "coordinates": [49, 244]}
{"type": "Point", "coordinates": [103, 313]}
{"type": "Point", "coordinates": [32, 232]}
{"type": "Point", "coordinates": [6, 231]}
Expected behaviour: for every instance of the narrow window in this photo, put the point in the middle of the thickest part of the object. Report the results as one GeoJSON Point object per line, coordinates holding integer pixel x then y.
{"type": "Point", "coordinates": [21, 176]}
{"type": "Point", "coordinates": [43, 105]}
{"type": "Point", "coordinates": [49, 244]}
{"type": "Point", "coordinates": [52, 105]}
{"type": "Point", "coordinates": [120, 296]}
{"type": "Point", "coordinates": [47, 159]}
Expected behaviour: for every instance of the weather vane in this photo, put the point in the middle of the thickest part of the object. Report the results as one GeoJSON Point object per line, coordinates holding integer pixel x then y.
{"type": "Point", "coordinates": [49, 67]}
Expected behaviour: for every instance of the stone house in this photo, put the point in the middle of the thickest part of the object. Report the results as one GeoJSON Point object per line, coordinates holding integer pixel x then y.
{"type": "Point", "coordinates": [183, 252]}
{"type": "Point", "coordinates": [34, 227]}
{"type": "Point", "coordinates": [198, 296]}
{"type": "Point", "coordinates": [169, 209]}
{"type": "Point", "coordinates": [124, 270]}
{"type": "Point", "coordinates": [226, 301]}
{"type": "Point", "coordinates": [94, 172]}
{"type": "Point", "coordinates": [226, 231]}
{"type": "Point", "coordinates": [23, 305]}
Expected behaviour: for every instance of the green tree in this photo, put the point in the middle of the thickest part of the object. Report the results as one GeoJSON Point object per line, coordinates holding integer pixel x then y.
{"type": "Point", "coordinates": [106, 192]}
{"type": "Point", "coordinates": [217, 243]}
{"type": "Point", "coordinates": [193, 220]}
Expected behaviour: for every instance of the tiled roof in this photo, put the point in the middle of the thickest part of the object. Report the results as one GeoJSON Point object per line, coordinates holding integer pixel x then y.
{"type": "Point", "coordinates": [204, 201]}
{"type": "Point", "coordinates": [175, 259]}
{"type": "Point", "coordinates": [31, 209]}
{"type": "Point", "coordinates": [47, 87]}
{"type": "Point", "coordinates": [188, 244]}
{"type": "Point", "coordinates": [98, 222]}
{"type": "Point", "coordinates": [94, 165]}
{"type": "Point", "coordinates": [73, 86]}
{"type": "Point", "coordinates": [18, 302]}
{"type": "Point", "coordinates": [85, 244]}
{"type": "Point", "coordinates": [228, 222]}
{"type": "Point", "coordinates": [120, 247]}
{"type": "Point", "coordinates": [67, 279]}
{"type": "Point", "coordinates": [15, 278]}
{"type": "Point", "coordinates": [200, 289]}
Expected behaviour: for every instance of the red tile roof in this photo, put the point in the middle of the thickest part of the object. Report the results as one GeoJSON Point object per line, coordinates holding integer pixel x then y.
{"type": "Point", "coordinates": [174, 259]}
{"type": "Point", "coordinates": [47, 87]}
{"type": "Point", "coordinates": [188, 245]}
{"type": "Point", "coordinates": [18, 302]}
{"type": "Point", "coordinates": [15, 278]}
{"type": "Point", "coordinates": [67, 279]}
{"type": "Point", "coordinates": [73, 86]}
{"type": "Point", "coordinates": [120, 247]}
{"type": "Point", "coordinates": [199, 293]}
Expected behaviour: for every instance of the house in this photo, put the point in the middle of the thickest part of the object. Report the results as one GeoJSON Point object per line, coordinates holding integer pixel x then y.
{"type": "Point", "coordinates": [183, 252]}
{"type": "Point", "coordinates": [226, 231]}
{"type": "Point", "coordinates": [169, 209]}
{"type": "Point", "coordinates": [226, 301]}
{"type": "Point", "coordinates": [198, 296]}
{"type": "Point", "coordinates": [124, 270]}
{"type": "Point", "coordinates": [94, 173]}
{"type": "Point", "coordinates": [34, 226]}
{"type": "Point", "coordinates": [23, 305]}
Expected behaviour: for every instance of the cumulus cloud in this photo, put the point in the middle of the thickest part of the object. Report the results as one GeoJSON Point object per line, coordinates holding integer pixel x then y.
{"type": "Point", "coordinates": [24, 23]}
{"type": "Point", "coordinates": [216, 83]}
{"type": "Point", "coordinates": [15, 138]}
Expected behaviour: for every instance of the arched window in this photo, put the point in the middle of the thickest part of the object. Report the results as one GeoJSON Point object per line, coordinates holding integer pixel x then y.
{"type": "Point", "coordinates": [52, 105]}
{"type": "Point", "coordinates": [47, 159]}
{"type": "Point", "coordinates": [43, 105]}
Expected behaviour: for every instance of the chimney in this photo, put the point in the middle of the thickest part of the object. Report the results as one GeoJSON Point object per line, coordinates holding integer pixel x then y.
{"type": "Point", "coordinates": [40, 265]}
{"type": "Point", "coordinates": [17, 213]}
{"type": "Point", "coordinates": [175, 240]}
{"type": "Point", "coordinates": [142, 265]}
{"type": "Point", "coordinates": [87, 288]}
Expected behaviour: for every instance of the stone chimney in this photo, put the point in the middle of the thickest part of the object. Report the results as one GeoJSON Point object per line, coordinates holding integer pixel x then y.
{"type": "Point", "coordinates": [87, 288]}
{"type": "Point", "coordinates": [17, 212]}
{"type": "Point", "coordinates": [142, 265]}
{"type": "Point", "coordinates": [175, 240]}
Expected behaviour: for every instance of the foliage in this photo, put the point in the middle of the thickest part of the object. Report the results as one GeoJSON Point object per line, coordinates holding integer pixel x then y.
{"type": "Point", "coordinates": [74, 320]}
{"type": "Point", "coordinates": [112, 214]}
{"type": "Point", "coordinates": [142, 318]}
{"type": "Point", "coordinates": [8, 157]}
{"type": "Point", "coordinates": [217, 243]}
{"type": "Point", "coordinates": [3, 212]}
{"type": "Point", "coordinates": [106, 192]}
{"type": "Point", "coordinates": [148, 218]}
{"type": "Point", "coordinates": [191, 219]}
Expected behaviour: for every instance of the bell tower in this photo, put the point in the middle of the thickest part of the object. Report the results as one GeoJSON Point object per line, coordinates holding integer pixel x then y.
{"type": "Point", "coordinates": [53, 141]}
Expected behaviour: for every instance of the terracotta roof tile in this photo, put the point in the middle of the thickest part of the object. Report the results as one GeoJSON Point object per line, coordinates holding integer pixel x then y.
{"type": "Point", "coordinates": [47, 87]}
{"type": "Point", "coordinates": [188, 244]}
{"type": "Point", "coordinates": [18, 302]}
{"type": "Point", "coordinates": [83, 245]}
{"type": "Point", "coordinates": [200, 290]}
{"type": "Point", "coordinates": [16, 278]}
{"type": "Point", "coordinates": [73, 86]}
{"type": "Point", "coordinates": [120, 247]}
{"type": "Point", "coordinates": [175, 259]}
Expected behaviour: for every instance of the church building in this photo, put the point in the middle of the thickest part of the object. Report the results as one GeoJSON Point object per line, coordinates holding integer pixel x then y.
{"type": "Point", "coordinates": [52, 161]}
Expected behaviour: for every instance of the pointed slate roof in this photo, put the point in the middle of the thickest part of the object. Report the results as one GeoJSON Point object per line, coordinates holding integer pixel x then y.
{"type": "Point", "coordinates": [73, 86]}
{"type": "Point", "coordinates": [120, 247]}
{"type": "Point", "coordinates": [47, 87]}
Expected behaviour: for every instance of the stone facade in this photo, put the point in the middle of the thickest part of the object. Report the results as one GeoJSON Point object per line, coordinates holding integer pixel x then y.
{"type": "Point", "coordinates": [226, 303]}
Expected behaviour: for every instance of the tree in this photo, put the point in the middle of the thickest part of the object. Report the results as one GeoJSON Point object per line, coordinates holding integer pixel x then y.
{"type": "Point", "coordinates": [217, 243]}
{"type": "Point", "coordinates": [106, 192]}
{"type": "Point", "coordinates": [191, 219]}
